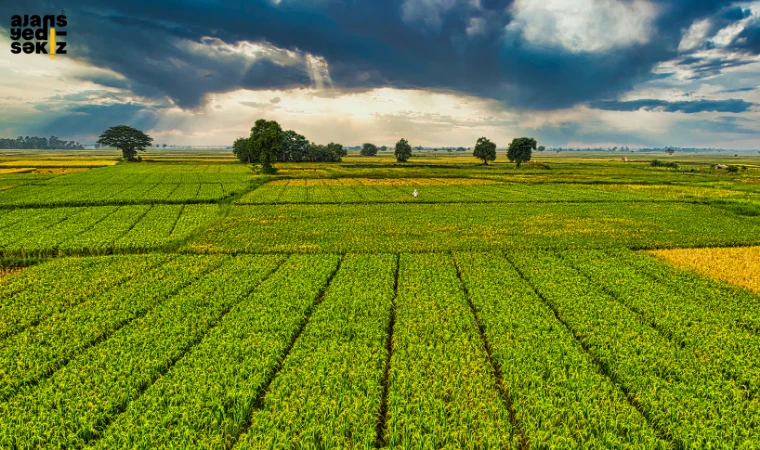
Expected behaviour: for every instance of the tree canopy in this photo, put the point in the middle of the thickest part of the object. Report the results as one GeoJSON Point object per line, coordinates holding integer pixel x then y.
{"type": "Point", "coordinates": [265, 142]}
{"type": "Point", "coordinates": [485, 150]}
{"type": "Point", "coordinates": [41, 143]}
{"type": "Point", "coordinates": [368, 150]}
{"type": "Point", "coordinates": [403, 150]}
{"type": "Point", "coordinates": [295, 147]}
{"type": "Point", "coordinates": [268, 144]}
{"type": "Point", "coordinates": [127, 139]}
{"type": "Point", "coordinates": [520, 150]}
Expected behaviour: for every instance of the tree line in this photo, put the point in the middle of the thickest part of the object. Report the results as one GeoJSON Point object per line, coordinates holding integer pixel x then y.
{"type": "Point", "coordinates": [39, 143]}
{"type": "Point", "coordinates": [268, 143]}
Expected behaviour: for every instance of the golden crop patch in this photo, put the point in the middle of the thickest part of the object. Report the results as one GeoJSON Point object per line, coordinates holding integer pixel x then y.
{"type": "Point", "coordinates": [8, 272]}
{"type": "Point", "coordinates": [60, 163]}
{"type": "Point", "coordinates": [739, 266]}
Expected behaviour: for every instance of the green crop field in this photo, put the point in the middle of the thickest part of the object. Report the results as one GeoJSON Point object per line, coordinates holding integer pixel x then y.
{"type": "Point", "coordinates": [196, 304]}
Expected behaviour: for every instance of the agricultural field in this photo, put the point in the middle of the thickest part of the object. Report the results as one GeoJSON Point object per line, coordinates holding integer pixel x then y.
{"type": "Point", "coordinates": [197, 304]}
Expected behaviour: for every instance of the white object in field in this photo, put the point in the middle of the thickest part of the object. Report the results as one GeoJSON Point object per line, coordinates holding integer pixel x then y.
{"type": "Point", "coordinates": [415, 193]}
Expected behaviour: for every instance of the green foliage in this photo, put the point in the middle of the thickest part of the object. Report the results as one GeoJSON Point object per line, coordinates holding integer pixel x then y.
{"type": "Point", "coordinates": [291, 147]}
{"type": "Point", "coordinates": [132, 359]}
{"type": "Point", "coordinates": [520, 150]}
{"type": "Point", "coordinates": [115, 185]}
{"type": "Point", "coordinates": [338, 407]}
{"type": "Point", "coordinates": [732, 169]}
{"type": "Point", "coordinates": [295, 147]}
{"type": "Point", "coordinates": [543, 330]}
{"type": "Point", "coordinates": [428, 226]}
{"type": "Point", "coordinates": [66, 332]}
{"type": "Point", "coordinates": [576, 401]}
{"type": "Point", "coordinates": [438, 361]}
{"type": "Point", "coordinates": [403, 150]}
{"type": "Point", "coordinates": [100, 230]}
{"type": "Point", "coordinates": [265, 143]}
{"type": "Point", "coordinates": [214, 388]}
{"type": "Point", "coordinates": [686, 395]}
{"type": "Point", "coordinates": [668, 165]}
{"type": "Point", "coordinates": [368, 150]}
{"type": "Point", "coordinates": [485, 150]}
{"type": "Point", "coordinates": [127, 139]}
{"type": "Point", "coordinates": [240, 150]}
{"type": "Point", "coordinates": [331, 152]}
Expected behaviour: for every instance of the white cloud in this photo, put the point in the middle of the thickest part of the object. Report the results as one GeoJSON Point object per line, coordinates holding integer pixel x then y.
{"type": "Point", "coordinates": [695, 36]}
{"type": "Point", "coordinates": [584, 25]}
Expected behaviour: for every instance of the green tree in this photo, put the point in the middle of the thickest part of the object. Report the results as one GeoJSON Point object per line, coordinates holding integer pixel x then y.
{"type": "Point", "coordinates": [241, 151]}
{"type": "Point", "coordinates": [485, 150]}
{"type": "Point", "coordinates": [368, 150]}
{"type": "Point", "coordinates": [127, 139]}
{"type": "Point", "coordinates": [541, 148]}
{"type": "Point", "coordinates": [520, 150]}
{"type": "Point", "coordinates": [265, 143]}
{"type": "Point", "coordinates": [295, 147]}
{"type": "Point", "coordinates": [403, 150]}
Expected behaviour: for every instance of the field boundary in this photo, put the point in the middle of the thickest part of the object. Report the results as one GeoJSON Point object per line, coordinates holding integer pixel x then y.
{"type": "Point", "coordinates": [380, 438]}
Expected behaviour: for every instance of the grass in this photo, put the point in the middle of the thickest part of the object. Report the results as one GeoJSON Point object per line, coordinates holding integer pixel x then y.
{"type": "Point", "coordinates": [186, 302]}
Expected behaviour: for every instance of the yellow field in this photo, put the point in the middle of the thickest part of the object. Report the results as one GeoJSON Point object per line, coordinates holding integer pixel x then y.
{"type": "Point", "coordinates": [739, 266]}
{"type": "Point", "coordinates": [58, 163]}
{"type": "Point", "coordinates": [16, 170]}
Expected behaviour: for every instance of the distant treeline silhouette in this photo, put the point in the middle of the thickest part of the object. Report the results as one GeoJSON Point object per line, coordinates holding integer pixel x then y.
{"type": "Point", "coordinates": [39, 143]}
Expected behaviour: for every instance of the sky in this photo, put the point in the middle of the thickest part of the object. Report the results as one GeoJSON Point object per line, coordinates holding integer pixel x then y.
{"type": "Point", "coordinates": [571, 73]}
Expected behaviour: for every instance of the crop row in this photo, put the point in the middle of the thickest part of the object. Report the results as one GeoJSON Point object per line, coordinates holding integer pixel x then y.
{"type": "Point", "coordinates": [698, 319]}
{"type": "Point", "coordinates": [206, 400]}
{"type": "Point", "coordinates": [116, 194]}
{"type": "Point", "coordinates": [39, 350]}
{"type": "Point", "coordinates": [99, 230]}
{"type": "Point", "coordinates": [52, 287]}
{"type": "Point", "coordinates": [129, 175]}
{"type": "Point", "coordinates": [560, 398]}
{"type": "Point", "coordinates": [473, 227]}
{"type": "Point", "coordinates": [685, 398]}
{"type": "Point", "coordinates": [442, 390]}
{"type": "Point", "coordinates": [329, 390]}
{"type": "Point", "coordinates": [736, 305]}
{"type": "Point", "coordinates": [77, 402]}
{"type": "Point", "coordinates": [443, 191]}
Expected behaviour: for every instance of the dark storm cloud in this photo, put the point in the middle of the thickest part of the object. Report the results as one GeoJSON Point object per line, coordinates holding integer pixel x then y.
{"type": "Point", "coordinates": [748, 40]}
{"type": "Point", "coordinates": [370, 43]}
{"type": "Point", "coordinates": [687, 107]}
{"type": "Point", "coordinates": [702, 67]}
{"type": "Point", "coordinates": [91, 120]}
